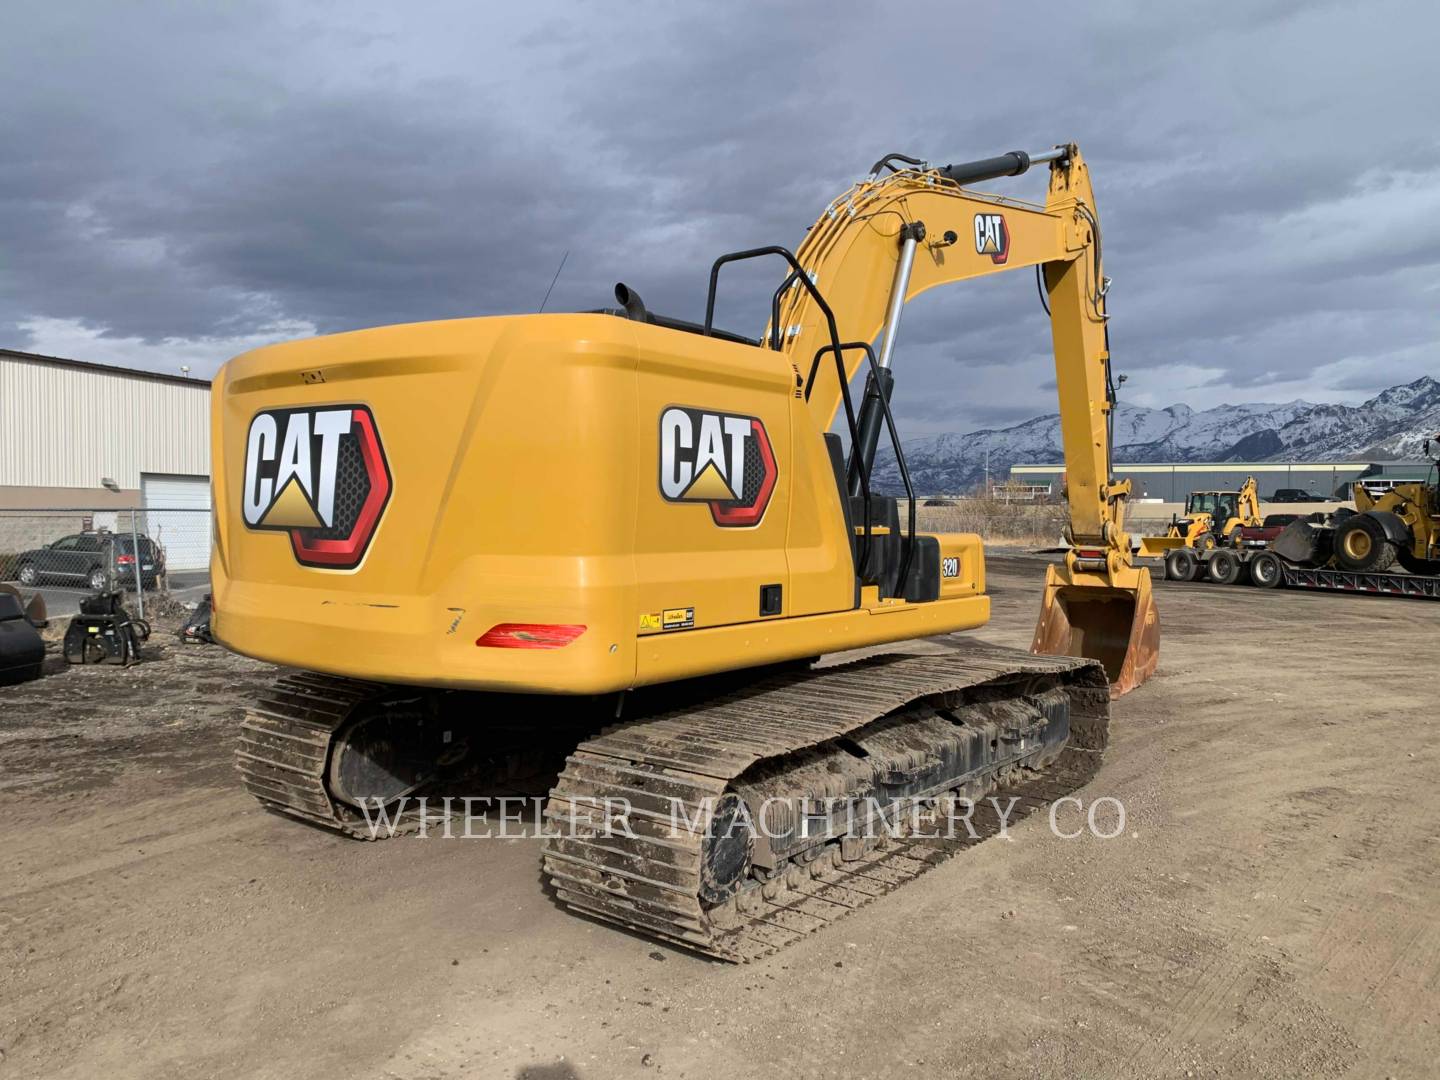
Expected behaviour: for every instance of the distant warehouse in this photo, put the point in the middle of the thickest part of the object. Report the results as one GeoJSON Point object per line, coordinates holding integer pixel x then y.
{"type": "Point", "coordinates": [1171, 482]}
{"type": "Point", "coordinates": [100, 439]}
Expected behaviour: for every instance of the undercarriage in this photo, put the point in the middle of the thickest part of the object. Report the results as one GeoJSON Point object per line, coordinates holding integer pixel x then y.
{"type": "Point", "coordinates": [732, 819]}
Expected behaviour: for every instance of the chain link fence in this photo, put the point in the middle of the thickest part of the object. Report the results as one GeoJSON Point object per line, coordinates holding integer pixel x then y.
{"type": "Point", "coordinates": [999, 521]}
{"type": "Point", "coordinates": [68, 554]}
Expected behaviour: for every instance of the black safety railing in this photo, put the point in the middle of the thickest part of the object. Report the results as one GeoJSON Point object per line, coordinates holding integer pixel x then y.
{"type": "Point", "coordinates": [798, 274]}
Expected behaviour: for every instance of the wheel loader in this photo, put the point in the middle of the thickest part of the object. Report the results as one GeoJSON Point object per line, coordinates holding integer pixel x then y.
{"type": "Point", "coordinates": [634, 535]}
{"type": "Point", "coordinates": [1400, 525]}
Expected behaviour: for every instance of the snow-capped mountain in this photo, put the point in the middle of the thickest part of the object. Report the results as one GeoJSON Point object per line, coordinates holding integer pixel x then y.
{"type": "Point", "coordinates": [1391, 425]}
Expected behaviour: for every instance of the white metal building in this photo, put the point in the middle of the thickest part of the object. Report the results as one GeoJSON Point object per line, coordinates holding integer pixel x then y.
{"type": "Point", "coordinates": [68, 427]}
{"type": "Point", "coordinates": [1172, 481]}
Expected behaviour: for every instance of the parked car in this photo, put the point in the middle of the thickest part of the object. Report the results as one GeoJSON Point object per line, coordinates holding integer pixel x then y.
{"type": "Point", "coordinates": [82, 559]}
{"type": "Point", "coordinates": [152, 560]}
{"type": "Point", "coordinates": [1259, 536]}
{"type": "Point", "coordinates": [1294, 495]}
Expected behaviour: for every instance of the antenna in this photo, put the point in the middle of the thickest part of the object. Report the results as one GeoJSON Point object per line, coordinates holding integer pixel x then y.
{"type": "Point", "coordinates": [554, 279]}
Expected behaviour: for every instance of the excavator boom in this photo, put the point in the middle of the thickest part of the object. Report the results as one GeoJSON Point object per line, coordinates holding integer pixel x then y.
{"type": "Point", "coordinates": [890, 238]}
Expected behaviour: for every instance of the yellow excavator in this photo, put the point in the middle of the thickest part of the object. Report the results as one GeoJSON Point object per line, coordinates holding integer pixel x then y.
{"type": "Point", "coordinates": [479, 537]}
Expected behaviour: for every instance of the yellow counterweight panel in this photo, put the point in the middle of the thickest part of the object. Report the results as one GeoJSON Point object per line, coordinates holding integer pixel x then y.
{"type": "Point", "coordinates": [513, 451]}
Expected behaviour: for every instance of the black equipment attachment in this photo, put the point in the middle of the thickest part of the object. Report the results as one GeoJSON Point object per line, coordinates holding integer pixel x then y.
{"type": "Point", "coordinates": [22, 650]}
{"type": "Point", "coordinates": [196, 630]}
{"type": "Point", "coordinates": [104, 632]}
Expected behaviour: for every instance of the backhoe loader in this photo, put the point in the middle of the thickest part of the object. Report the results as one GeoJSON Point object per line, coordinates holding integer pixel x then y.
{"type": "Point", "coordinates": [479, 536]}
{"type": "Point", "coordinates": [1211, 517]}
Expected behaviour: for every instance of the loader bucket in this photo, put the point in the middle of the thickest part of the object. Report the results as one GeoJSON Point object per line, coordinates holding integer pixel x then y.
{"type": "Point", "coordinates": [1116, 625]}
{"type": "Point", "coordinates": [22, 650]}
{"type": "Point", "coordinates": [34, 610]}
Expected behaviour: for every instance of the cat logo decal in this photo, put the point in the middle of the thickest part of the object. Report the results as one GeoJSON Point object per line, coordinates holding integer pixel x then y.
{"type": "Point", "coordinates": [992, 237]}
{"type": "Point", "coordinates": [320, 475]}
{"type": "Point", "coordinates": [723, 460]}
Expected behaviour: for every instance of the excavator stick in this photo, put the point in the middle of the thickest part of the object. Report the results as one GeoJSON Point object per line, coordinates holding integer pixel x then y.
{"type": "Point", "coordinates": [1113, 621]}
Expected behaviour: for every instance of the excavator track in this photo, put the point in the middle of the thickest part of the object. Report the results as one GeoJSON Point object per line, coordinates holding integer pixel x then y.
{"type": "Point", "coordinates": [886, 725]}
{"type": "Point", "coordinates": [289, 736]}
{"type": "Point", "coordinates": [285, 747]}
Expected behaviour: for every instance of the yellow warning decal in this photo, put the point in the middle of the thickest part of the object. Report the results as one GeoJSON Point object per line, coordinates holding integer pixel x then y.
{"type": "Point", "coordinates": [679, 618]}
{"type": "Point", "coordinates": [650, 621]}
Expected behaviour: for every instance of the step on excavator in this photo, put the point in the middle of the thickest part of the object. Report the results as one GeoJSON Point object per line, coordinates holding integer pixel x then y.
{"type": "Point", "coordinates": [631, 537]}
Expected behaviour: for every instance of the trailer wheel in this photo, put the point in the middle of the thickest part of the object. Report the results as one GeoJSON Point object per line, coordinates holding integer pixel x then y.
{"type": "Point", "coordinates": [1223, 567]}
{"type": "Point", "coordinates": [1266, 571]}
{"type": "Point", "coordinates": [1181, 565]}
{"type": "Point", "coordinates": [1361, 545]}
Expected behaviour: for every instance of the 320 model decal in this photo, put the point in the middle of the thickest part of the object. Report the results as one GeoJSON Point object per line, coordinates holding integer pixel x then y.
{"type": "Point", "coordinates": [721, 459]}
{"type": "Point", "coordinates": [320, 475]}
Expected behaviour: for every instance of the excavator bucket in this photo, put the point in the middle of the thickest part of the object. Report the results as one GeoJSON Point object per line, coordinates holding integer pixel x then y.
{"type": "Point", "coordinates": [1114, 624]}
{"type": "Point", "coordinates": [34, 610]}
{"type": "Point", "coordinates": [22, 650]}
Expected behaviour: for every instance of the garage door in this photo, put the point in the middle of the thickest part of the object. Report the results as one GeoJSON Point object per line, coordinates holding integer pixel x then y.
{"type": "Point", "coordinates": [177, 517]}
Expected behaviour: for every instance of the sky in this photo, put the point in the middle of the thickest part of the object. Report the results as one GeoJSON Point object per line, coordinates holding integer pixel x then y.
{"type": "Point", "coordinates": [180, 182]}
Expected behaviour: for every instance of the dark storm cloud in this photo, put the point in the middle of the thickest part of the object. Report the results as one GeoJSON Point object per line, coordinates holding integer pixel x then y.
{"type": "Point", "coordinates": [1267, 182]}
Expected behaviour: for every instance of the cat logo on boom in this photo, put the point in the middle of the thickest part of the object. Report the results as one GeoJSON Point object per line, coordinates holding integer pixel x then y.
{"type": "Point", "coordinates": [320, 475]}
{"type": "Point", "coordinates": [721, 459]}
{"type": "Point", "coordinates": [992, 237]}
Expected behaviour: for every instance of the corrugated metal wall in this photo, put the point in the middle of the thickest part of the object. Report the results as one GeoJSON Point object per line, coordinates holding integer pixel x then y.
{"type": "Point", "coordinates": [1172, 482]}
{"type": "Point", "coordinates": [69, 427]}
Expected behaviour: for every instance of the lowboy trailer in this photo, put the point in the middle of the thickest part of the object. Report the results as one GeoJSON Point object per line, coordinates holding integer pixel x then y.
{"type": "Point", "coordinates": [1262, 567]}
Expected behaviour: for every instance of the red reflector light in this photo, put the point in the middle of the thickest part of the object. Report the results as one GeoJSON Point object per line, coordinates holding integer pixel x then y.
{"type": "Point", "coordinates": [517, 635]}
{"type": "Point", "coordinates": [1089, 554]}
{"type": "Point", "coordinates": [125, 560]}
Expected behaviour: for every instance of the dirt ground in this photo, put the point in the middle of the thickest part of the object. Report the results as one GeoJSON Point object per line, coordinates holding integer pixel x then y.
{"type": "Point", "coordinates": [1272, 908]}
